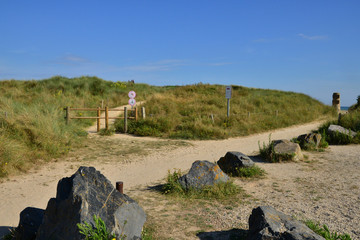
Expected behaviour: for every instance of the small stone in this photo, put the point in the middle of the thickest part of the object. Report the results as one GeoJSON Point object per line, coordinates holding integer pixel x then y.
{"type": "Point", "coordinates": [232, 161]}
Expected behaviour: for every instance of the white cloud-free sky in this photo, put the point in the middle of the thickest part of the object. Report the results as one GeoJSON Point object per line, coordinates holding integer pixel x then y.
{"type": "Point", "coordinates": [306, 46]}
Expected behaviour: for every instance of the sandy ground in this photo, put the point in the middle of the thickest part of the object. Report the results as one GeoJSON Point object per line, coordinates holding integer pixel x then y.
{"type": "Point", "coordinates": [39, 185]}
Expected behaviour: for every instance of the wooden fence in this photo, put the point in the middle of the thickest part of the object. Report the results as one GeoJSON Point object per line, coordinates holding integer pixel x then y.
{"type": "Point", "coordinates": [98, 110]}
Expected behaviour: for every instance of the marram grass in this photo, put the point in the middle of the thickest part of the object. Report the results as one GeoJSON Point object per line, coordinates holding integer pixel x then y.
{"type": "Point", "coordinates": [200, 112]}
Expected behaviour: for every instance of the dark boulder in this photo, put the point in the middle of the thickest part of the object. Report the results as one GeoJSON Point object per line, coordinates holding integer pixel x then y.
{"type": "Point", "coordinates": [336, 129]}
{"type": "Point", "coordinates": [83, 195]}
{"type": "Point", "coordinates": [266, 223]}
{"type": "Point", "coordinates": [286, 150]}
{"type": "Point", "coordinates": [30, 220]}
{"type": "Point", "coordinates": [201, 174]}
{"type": "Point", "coordinates": [232, 161]}
{"type": "Point", "coordinates": [311, 138]}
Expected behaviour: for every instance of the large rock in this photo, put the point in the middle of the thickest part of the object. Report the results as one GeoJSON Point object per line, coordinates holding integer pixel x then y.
{"type": "Point", "coordinates": [266, 223]}
{"type": "Point", "coordinates": [83, 195]}
{"type": "Point", "coordinates": [201, 174]}
{"type": "Point", "coordinates": [30, 220]}
{"type": "Point", "coordinates": [334, 129]}
{"type": "Point", "coordinates": [232, 161]}
{"type": "Point", "coordinates": [286, 150]}
{"type": "Point", "coordinates": [310, 138]}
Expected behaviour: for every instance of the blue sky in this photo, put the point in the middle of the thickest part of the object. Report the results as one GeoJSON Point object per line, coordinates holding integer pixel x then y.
{"type": "Point", "coordinates": [308, 46]}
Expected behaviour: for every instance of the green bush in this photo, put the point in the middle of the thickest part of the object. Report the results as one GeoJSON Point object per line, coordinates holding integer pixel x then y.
{"type": "Point", "coordinates": [324, 231]}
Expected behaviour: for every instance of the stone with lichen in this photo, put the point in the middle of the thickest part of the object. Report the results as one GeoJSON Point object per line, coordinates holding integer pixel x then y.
{"type": "Point", "coordinates": [201, 174]}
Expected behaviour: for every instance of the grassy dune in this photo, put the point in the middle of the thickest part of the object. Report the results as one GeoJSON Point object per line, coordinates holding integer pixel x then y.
{"type": "Point", "coordinates": [32, 126]}
{"type": "Point", "coordinates": [200, 112]}
{"type": "Point", "coordinates": [33, 129]}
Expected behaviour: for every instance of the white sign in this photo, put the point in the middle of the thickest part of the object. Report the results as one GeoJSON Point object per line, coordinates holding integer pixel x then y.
{"type": "Point", "coordinates": [228, 92]}
{"type": "Point", "coordinates": [132, 94]}
{"type": "Point", "coordinates": [132, 102]}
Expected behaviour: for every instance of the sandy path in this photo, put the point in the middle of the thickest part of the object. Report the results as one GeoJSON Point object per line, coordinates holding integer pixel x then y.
{"type": "Point", "coordinates": [39, 185]}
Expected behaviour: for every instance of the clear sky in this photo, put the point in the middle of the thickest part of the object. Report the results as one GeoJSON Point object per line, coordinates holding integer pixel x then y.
{"type": "Point", "coordinates": [308, 46]}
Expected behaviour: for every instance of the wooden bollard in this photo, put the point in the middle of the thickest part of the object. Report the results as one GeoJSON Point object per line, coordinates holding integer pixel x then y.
{"type": "Point", "coordinates": [125, 119]}
{"type": "Point", "coordinates": [107, 118]}
{"type": "Point", "coordinates": [336, 101]}
{"type": "Point", "coordinates": [98, 120]}
{"type": "Point", "coordinates": [67, 116]}
{"type": "Point", "coordinates": [120, 187]}
{"type": "Point", "coordinates": [143, 114]}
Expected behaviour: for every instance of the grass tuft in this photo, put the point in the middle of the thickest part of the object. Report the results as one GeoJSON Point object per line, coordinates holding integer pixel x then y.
{"type": "Point", "coordinates": [324, 231]}
{"type": "Point", "coordinates": [218, 191]}
{"type": "Point", "coordinates": [250, 172]}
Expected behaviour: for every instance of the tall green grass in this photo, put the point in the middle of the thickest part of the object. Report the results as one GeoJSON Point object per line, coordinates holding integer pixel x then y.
{"type": "Point", "coordinates": [32, 125]}
{"type": "Point", "coordinates": [200, 112]}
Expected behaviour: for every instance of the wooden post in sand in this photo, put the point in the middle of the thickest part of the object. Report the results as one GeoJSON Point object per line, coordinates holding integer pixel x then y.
{"type": "Point", "coordinates": [98, 120]}
{"type": "Point", "coordinates": [107, 118]}
{"type": "Point", "coordinates": [125, 119]}
{"type": "Point", "coordinates": [336, 101]}
{"type": "Point", "coordinates": [67, 116]}
{"type": "Point", "coordinates": [143, 114]}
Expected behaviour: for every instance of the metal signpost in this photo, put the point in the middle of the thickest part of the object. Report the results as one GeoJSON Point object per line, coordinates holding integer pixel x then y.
{"type": "Point", "coordinates": [228, 96]}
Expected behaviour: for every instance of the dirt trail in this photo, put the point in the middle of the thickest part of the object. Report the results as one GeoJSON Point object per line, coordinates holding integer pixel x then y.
{"type": "Point", "coordinates": [35, 188]}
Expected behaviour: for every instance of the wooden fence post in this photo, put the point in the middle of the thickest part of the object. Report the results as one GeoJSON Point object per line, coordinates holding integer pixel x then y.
{"type": "Point", "coordinates": [143, 112]}
{"type": "Point", "coordinates": [277, 113]}
{"type": "Point", "coordinates": [67, 116]}
{"type": "Point", "coordinates": [136, 114]}
{"type": "Point", "coordinates": [107, 118]}
{"type": "Point", "coordinates": [98, 120]}
{"type": "Point", "coordinates": [125, 119]}
{"type": "Point", "coordinates": [248, 114]}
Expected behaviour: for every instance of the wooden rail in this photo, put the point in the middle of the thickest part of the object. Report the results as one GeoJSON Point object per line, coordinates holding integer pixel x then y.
{"type": "Point", "coordinates": [98, 117]}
